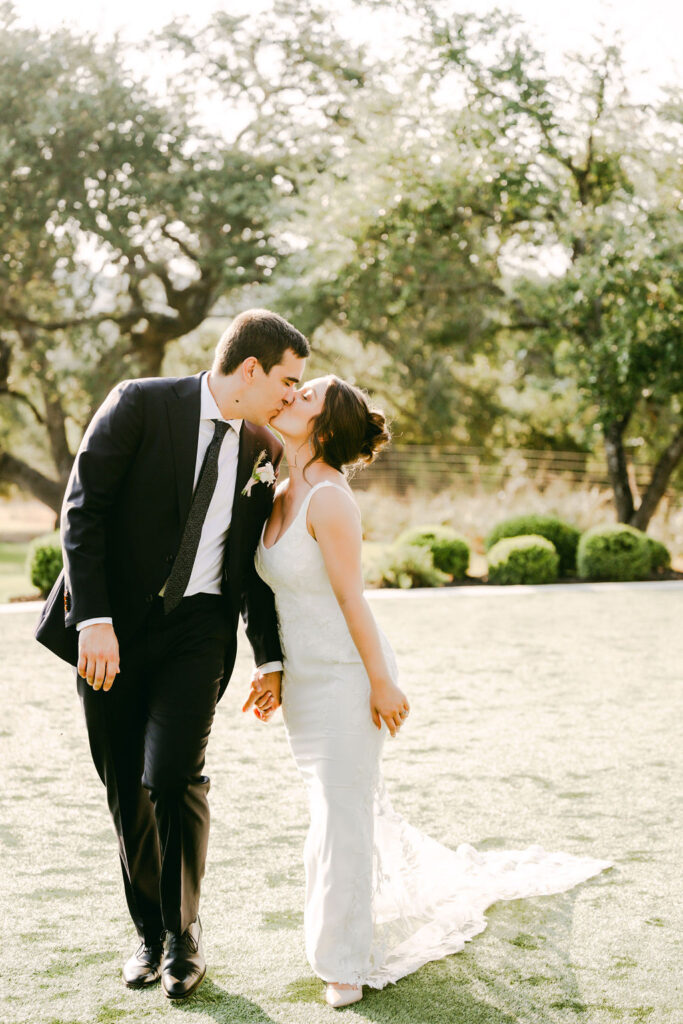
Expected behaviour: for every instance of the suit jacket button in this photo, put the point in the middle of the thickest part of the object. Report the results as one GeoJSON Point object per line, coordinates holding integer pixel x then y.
{"type": "Point", "coordinates": [170, 558]}
{"type": "Point", "coordinates": [149, 598]}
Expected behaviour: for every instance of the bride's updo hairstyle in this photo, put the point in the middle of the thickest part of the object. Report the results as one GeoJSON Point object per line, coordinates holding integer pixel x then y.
{"type": "Point", "coordinates": [347, 431]}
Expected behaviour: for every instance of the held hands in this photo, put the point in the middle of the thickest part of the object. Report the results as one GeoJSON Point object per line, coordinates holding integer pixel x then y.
{"type": "Point", "coordinates": [389, 703]}
{"type": "Point", "coordinates": [264, 696]}
{"type": "Point", "coordinates": [98, 655]}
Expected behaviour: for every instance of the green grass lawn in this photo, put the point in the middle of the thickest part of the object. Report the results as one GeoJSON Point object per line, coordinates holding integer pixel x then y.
{"type": "Point", "coordinates": [550, 717]}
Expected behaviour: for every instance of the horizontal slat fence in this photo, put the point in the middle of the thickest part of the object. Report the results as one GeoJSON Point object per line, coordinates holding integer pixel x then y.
{"type": "Point", "coordinates": [431, 469]}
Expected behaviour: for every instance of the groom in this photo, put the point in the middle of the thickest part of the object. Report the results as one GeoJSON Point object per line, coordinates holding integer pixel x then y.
{"type": "Point", "coordinates": [162, 514]}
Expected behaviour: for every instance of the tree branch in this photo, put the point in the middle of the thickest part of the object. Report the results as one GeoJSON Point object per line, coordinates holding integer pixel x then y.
{"type": "Point", "coordinates": [16, 471]}
{"type": "Point", "coordinates": [181, 245]}
{"type": "Point", "coordinates": [122, 319]}
{"type": "Point", "coordinates": [5, 389]}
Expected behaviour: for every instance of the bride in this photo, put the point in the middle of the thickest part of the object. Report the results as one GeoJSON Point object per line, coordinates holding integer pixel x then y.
{"type": "Point", "coordinates": [382, 898]}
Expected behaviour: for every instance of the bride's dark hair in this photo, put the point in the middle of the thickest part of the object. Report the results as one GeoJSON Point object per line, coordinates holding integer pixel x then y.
{"type": "Point", "coordinates": [347, 431]}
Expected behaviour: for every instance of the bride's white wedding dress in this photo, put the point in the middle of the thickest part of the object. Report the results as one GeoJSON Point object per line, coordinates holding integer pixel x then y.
{"type": "Point", "coordinates": [382, 898]}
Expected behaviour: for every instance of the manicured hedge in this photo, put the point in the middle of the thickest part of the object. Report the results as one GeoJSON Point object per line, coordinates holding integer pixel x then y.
{"type": "Point", "coordinates": [660, 556]}
{"type": "Point", "coordinates": [563, 536]}
{"type": "Point", "coordinates": [529, 559]}
{"type": "Point", "coordinates": [44, 561]}
{"type": "Point", "coordinates": [614, 552]}
{"type": "Point", "coordinates": [450, 550]}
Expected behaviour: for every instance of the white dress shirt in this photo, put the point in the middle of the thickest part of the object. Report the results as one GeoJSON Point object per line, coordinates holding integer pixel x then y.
{"type": "Point", "coordinates": [208, 564]}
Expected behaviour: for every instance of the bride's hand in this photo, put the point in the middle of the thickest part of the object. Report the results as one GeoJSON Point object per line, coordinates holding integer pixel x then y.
{"type": "Point", "coordinates": [388, 702]}
{"type": "Point", "coordinates": [264, 695]}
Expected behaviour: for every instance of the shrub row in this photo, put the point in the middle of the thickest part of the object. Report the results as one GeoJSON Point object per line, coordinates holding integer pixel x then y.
{"type": "Point", "coordinates": [563, 537]}
{"type": "Point", "coordinates": [522, 549]}
{"type": "Point", "coordinates": [612, 552]}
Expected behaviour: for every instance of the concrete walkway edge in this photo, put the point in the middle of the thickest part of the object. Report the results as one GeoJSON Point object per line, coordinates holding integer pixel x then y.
{"type": "Point", "coordinates": [467, 591]}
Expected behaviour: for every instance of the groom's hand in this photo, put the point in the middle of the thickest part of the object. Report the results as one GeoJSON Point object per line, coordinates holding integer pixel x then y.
{"type": "Point", "coordinates": [264, 696]}
{"type": "Point", "coordinates": [98, 655]}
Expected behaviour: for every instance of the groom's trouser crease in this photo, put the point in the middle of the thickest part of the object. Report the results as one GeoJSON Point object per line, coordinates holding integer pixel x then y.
{"type": "Point", "coordinates": [148, 738]}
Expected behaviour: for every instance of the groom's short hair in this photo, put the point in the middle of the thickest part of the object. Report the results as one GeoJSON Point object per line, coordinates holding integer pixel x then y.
{"type": "Point", "coordinates": [259, 333]}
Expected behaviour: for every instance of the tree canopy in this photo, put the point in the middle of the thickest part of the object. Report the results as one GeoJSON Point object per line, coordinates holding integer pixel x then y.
{"type": "Point", "coordinates": [497, 247]}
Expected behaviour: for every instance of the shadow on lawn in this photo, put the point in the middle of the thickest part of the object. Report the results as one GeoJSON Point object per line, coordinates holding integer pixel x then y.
{"type": "Point", "coordinates": [223, 1006]}
{"type": "Point", "coordinates": [523, 973]}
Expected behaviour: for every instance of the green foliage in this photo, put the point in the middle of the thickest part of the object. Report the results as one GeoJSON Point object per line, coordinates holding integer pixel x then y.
{"type": "Point", "coordinates": [44, 561]}
{"type": "Point", "coordinates": [563, 536]}
{"type": "Point", "coordinates": [660, 556]}
{"type": "Point", "coordinates": [614, 552]}
{"type": "Point", "coordinates": [122, 222]}
{"type": "Point", "coordinates": [406, 566]}
{"type": "Point", "coordinates": [450, 551]}
{"type": "Point", "coordinates": [618, 312]}
{"type": "Point", "coordinates": [528, 559]}
{"type": "Point", "coordinates": [438, 236]}
{"type": "Point", "coordinates": [360, 197]}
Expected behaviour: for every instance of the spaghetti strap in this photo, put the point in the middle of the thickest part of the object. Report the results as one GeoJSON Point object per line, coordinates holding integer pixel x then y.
{"type": "Point", "coordinates": [322, 483]}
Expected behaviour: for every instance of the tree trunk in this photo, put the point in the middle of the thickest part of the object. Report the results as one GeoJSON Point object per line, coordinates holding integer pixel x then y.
{"type": "Point", "coordinates": [50, 492]}
{"type": "Point", "coordinates": [56, 429]}
{"type": "Point", "coordinates": [661, 475]}
{"type": "Point", "coordinates": [618, 470]}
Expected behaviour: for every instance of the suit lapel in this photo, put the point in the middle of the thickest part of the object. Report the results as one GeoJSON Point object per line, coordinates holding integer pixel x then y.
{"type": "Point", "coordinates": [183, 405]}
{"type": "Point", "coordinates": [248, 453]}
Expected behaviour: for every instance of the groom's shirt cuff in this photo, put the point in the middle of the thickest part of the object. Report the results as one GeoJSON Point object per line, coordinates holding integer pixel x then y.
{"type": "Point", "coordinates": [270, 666]}
{"type": "Point", "coordinates": [91, 622]}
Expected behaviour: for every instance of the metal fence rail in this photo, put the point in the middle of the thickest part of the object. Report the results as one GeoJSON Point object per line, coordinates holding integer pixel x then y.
{"type": "Point", "coordinates": [432, 469]}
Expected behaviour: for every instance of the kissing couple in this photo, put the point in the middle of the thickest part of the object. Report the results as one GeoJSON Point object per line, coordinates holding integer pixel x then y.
{"type": "Point", "coordinates": [171, 528]}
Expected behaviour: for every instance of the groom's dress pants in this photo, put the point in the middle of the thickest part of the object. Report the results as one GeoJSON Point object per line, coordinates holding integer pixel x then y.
{"type": "Point", "coordinates": [148, 737]}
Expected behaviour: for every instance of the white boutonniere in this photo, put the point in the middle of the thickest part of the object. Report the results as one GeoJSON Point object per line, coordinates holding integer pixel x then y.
{"type": "Point", "coordinates": [262, 473]}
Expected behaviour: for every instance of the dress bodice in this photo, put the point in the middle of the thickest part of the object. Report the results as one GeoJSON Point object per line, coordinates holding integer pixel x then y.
{"type": "Point", "coordinates": [311, 623]}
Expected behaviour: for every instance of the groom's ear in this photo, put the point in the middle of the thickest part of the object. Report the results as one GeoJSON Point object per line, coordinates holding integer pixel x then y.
{"type": "Point", "coordinates": [248, 367]}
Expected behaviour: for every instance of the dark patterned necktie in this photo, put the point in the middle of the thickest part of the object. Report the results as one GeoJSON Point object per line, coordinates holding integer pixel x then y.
{"type": "Point", "coordinates": [176, 583]}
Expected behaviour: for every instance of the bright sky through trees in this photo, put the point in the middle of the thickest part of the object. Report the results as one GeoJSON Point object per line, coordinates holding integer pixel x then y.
{"type": "Point", "coordinates": [651, 32]}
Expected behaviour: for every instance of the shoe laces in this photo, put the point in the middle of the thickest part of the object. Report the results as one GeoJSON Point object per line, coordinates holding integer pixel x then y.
{"type": "Point", "coordinates": [148, 948]}
{"type": "Point", "coordinates": [180, 943]}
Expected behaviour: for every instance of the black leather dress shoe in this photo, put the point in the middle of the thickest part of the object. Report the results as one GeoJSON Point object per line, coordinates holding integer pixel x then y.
{"type": "Point", "coordinates": [183, 967]}
{"type": "Point", "coordinates": [144, 967]}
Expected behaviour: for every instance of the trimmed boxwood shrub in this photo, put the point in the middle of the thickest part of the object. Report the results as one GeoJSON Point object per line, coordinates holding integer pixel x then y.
{"type": "Point", "coordinates": [44, 561]}
{"type": "Point", "coordinates": [530, 559]}
{"type": "Point", "coordinates": [660, 556]}
{"type": "Point", "coordinates": [614, 552]}
{"type": "Point", "coordinates": [450, 550]}
{"type": "Point", "coordinates": [563, 536]}
{"type": "Point", "coordinates": [408, 565]}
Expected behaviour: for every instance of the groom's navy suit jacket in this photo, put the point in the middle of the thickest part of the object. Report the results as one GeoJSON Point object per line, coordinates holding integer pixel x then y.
{"type": "Point", "coordinates": [124, 511]}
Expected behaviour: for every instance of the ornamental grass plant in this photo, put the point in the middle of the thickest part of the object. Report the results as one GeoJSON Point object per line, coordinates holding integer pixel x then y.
{"type": "Point", "coordinates": [450, 550]}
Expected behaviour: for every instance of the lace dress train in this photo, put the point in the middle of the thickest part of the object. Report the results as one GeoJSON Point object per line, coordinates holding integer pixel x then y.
{"type": "Point", "coordinates": [382, 898]}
